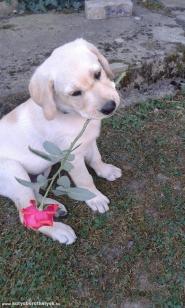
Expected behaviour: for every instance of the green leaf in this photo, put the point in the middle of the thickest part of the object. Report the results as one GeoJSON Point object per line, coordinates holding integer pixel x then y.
{"type": "Point", "coordinates": [80, 194]}
{"type": "Point", "coordinates": [52, 148]}
{"type": "Point", "coordinates": [42, 180]}
{"type": "Point", "coordinates": [77, 5]}
{"type": "Point", "coordinates": [54, 3]}
{"type": "Point", "coordinates": [62, 188]}
{"type": "Point", "coordinates": [27, 183]}
{"type": "Point", "coordinates": [64, 181]}
{"type": "Point", "coordinates": [41, 6]}
{"type": "Point", "coordinates": [55, 159]}
{"type": "Point", "coordinates": [71, 157]}
{"type": "Point", "coordinates": [68, 166]}
{"type": "Point", "coordinates": [40, 153]}
{"type": "Point", "coordinates": [57, 192]}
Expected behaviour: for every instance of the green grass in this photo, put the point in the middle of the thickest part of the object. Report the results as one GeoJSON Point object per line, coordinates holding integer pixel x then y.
{"type": "Point", "coordinates": [132, 254]}
{"type": "Point", "coordinates": [152, 4]}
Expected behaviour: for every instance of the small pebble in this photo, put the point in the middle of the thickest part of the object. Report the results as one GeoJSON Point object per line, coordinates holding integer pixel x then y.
{"type": "Point", "coordinates": [119, 40]}
{"type": "Point", "coordinates": [130, 244]}
{"type": "Point", "coordinates": [21, 12]}
{"type": "Point", "coordinates": [137, 18]}
{"type": "Point", "coordinates": [162, 178]}
{"type": "Point", "coordinates": [177, 186]}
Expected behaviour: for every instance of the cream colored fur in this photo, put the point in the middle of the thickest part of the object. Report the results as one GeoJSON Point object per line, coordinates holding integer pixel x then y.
{"type": "Point", "coordinates": [54, 114]}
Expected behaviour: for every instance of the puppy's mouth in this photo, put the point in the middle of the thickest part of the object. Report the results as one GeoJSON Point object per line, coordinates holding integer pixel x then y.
{"type": "Point", "coordinates": [98, 115]}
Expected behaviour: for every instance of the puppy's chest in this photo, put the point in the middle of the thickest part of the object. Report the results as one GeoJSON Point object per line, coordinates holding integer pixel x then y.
{"type": "Point", "coordinates": [65, 137]}
{"type": "Point", "coordinates": [62, 137]}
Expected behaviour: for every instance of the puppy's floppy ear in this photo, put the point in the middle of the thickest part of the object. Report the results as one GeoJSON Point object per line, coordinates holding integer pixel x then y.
{"type": "Point", "coordinates": [103, 61]}
{"type": "Point", "coordinates": [41, 90]}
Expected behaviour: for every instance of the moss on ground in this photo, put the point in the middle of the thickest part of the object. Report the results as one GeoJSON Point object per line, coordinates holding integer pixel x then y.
{"type": "Point", "coordinates": [152, 4]}
{"type": "Point", "coordinates": [132, 254]}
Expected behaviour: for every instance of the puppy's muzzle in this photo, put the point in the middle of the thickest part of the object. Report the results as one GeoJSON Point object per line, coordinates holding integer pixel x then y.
{"type": "Point", "coordinates": [108, 108]}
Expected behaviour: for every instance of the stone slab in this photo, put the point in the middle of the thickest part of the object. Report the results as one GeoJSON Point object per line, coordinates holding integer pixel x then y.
{"type": "Point", "coordinates": [7, 9]}
{"type": "Point", "coordinates": [101, 9]}
{"type": "Point", "coordinates": [171, 35]}
{"type": "Point", "coordinates": [180, 15]}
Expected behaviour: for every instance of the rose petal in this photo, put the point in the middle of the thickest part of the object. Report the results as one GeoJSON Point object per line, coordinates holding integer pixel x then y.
{"type": "Point", "coordinates": [34, 218]}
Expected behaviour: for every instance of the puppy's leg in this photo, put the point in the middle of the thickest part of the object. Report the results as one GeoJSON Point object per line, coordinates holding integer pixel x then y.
{"type": "Point", "coordinates": [102, 169]}
{"type": "Point", "coordinates": [82, 178]}
{"type": "Point", "coordinates": [21, 196]}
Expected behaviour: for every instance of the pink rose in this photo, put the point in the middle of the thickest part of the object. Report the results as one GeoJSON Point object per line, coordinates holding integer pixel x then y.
{"type": "Point", "coordinates": [33, 218]}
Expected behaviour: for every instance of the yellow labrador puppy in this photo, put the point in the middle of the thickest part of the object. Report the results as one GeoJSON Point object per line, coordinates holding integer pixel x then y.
{"type": "Point", "coordinates": [72, 85]}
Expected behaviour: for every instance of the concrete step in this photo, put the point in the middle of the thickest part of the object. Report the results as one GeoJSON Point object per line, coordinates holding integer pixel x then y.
{"type": "Point", "coordinates": [101, 9]}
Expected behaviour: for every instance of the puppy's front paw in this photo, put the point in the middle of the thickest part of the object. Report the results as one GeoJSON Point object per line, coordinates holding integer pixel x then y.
{"type": "Point", "coordinates": [59, 232]}
{"type": "Point", "coordinates": [99, 203]}
{"type": "Point", "coordinates": [109, 172]}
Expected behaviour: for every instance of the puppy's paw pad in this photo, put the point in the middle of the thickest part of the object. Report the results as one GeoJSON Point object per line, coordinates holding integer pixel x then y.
{"type": "Point", "coordinates": [60, 232]}
{"type": "Point", "coordinates": [99, 204]}
{"type": "Point", "coordinates": [110, 172]}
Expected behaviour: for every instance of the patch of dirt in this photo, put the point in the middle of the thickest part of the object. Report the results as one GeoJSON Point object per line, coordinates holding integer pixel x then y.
{"type": "Point", "coordinates": [137, 186]}
{"type": "Point", "coordinates": [10, 102]}
{"type": "Point", "coordinates": [7, 27]}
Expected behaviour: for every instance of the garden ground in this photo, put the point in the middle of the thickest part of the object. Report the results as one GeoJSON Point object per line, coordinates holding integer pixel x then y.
{"type": "Point", "coordinates": [155, 34]}
{"type": "Point", "coordinates": [133, 256]}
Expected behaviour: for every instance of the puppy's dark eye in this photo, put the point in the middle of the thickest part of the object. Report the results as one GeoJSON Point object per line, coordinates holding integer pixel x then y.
{"type": "Point", "coordinates": [97, 75]}
{"type": "Point", "coordinates": [77, 93]}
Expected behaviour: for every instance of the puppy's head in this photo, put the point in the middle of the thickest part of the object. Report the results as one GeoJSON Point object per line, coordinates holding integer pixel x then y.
{"type": "Point", "coordinates": [75, 78]}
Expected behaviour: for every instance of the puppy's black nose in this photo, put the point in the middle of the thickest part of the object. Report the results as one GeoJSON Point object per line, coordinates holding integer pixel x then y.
{"type": "Point", "coordinates": [108, 108]}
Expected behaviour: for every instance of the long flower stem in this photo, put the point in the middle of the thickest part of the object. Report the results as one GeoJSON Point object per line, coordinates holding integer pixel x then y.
{"type": "Point", "coordinates": [63, 163]}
